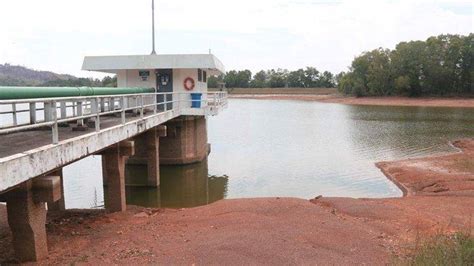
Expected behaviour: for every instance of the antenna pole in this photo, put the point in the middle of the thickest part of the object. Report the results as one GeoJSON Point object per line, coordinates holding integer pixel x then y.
{"type": "Point", "coordinates": [153, 25]}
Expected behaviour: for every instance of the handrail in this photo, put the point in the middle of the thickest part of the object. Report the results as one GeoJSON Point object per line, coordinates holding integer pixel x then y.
{"type": "Point", "coordinates": [66, 109]}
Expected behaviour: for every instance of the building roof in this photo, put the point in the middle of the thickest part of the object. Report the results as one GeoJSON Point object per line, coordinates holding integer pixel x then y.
{"type": "Point", "coordinates": [112, 64]}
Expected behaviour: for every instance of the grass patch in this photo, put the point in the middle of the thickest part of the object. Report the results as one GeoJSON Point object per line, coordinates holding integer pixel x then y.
{"type": "Point", "coordinates": [457, 249]}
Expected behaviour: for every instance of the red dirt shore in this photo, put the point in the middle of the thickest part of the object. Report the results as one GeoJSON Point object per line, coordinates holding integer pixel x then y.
{"type": "Point", "coordinates": [342, 231]}
{"type": "Point", "coordinates": [379, 101]}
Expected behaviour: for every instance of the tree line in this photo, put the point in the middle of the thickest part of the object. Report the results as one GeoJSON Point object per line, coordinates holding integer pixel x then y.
{"type": "Point", "coordinates": [279, 78]}
{"type": "Point", "coordinates": [72, 82]}
{"type": "Point", "coordinates": [441, 65]}
{"type": "Point", "coordinates": [82, 82]}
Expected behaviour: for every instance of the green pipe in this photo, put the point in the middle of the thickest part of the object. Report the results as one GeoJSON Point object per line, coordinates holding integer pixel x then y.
{"type": "Point", "coordinates": [15, 93]}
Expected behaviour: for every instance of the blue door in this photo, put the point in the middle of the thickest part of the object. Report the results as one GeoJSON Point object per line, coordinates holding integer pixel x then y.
{"type": "Point", "coordinates": [164, 80]}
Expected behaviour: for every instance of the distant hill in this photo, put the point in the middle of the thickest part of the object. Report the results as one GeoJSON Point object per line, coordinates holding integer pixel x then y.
{"type": "Point", "coordinates": [11, 75]}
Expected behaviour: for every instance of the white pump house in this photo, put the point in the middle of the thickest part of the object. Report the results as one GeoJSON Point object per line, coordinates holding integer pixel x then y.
{"type": "Point", "coordinates": [178, 74]}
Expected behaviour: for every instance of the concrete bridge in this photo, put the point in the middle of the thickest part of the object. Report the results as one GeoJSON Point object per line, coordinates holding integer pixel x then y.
{"type": "Point", "coordinates": [38, 137]}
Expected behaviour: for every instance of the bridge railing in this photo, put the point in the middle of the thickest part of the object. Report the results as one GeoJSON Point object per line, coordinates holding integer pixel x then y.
{"type": "Point", "coordinates": [33, 114]}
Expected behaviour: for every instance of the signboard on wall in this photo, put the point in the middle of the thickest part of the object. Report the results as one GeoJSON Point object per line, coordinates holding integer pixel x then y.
{"type": "Point", "coordinates": [144, 74]}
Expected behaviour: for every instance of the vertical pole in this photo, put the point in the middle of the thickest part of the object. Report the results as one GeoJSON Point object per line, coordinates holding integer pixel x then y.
{"type": "Point", "coordinates": [165, 102]}
{"type": "Point", "coordinates": [141, 106]}
{"type": "Point", "coordinates": [95, 110]}
{"type": "Point", "coordinates": [179, 100]}
{"type": "Point", "coordinates": [111, 104]}
{"type": "Point", "coordinates": [122, 103]}
{"type": "Point", "coordinates": [47, 111]}
{"type": "Point", "coordinates": [54, 114]}
{"type": "Point", "coordinates": [80, 122]}
{"type": "Point", "coordinates": [73, 109]}
{"type": "Point", "coordinates": [32, 113]}
{"type": "Point", "coordinates": [15, 120]}
{"type": "Point", "coordinates": [63, 109]}
{"type": "Point", "coordinates": [102, 105]}
{"type": "Point", "coordinates": [153, 25]}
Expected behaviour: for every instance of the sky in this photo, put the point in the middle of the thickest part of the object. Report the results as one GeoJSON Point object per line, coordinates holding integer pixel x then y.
{"type": "Point", "coordinates": [55, 35]}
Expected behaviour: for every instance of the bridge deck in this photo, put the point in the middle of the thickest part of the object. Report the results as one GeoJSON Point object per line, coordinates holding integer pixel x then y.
{"type": "Point", "coordinates": [25, 141]}
{"type": "Point", "coordinates": [30, 151]}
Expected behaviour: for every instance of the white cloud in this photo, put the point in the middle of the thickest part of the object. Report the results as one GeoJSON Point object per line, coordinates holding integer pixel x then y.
{"type": "Point", "coordinates": [56, 34]}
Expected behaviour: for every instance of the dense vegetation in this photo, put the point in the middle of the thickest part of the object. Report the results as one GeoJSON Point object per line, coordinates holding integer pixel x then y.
{"type": "Point", "coordinates": [11, 75]}
{"type": "Point", "coordinates": [280, 78]}
{"type": "Point", "coordinates": [442, 65]}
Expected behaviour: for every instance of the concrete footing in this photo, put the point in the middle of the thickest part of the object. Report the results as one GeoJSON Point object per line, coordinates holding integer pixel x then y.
{"type": "Point", "coordinates": [27, 220]}
{"type": "Point", "coordinates": [113, 169]}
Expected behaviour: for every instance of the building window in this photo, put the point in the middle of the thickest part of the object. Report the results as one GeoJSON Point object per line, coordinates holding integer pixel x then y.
{"type": "Point", "coordinates": [199, 75]}
{"type": "Point", "coordinates": [204, 76]}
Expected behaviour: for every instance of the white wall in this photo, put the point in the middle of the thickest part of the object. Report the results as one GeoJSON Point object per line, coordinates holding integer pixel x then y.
{"type": "Point", "coordinates": [130, 78]}
{"type": "Point", "coordinates": [179, 75]}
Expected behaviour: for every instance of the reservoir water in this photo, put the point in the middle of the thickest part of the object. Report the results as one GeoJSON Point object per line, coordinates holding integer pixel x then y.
{"type": "Point", "coordinates": [268, 148]}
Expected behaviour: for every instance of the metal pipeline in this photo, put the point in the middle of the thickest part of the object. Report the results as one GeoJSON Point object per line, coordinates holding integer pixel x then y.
{"type": "Point", "coordinates": [15, 93]}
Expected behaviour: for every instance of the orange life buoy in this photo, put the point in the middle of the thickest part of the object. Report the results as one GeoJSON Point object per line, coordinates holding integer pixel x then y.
{"type": "Point", "coordinates": [189, 84]}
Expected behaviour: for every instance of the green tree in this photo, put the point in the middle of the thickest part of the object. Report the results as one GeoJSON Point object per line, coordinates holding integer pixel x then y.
{"type": "Point", "coordinates": [327, 80]}
{"type": "Point", "coordinates": [213, 81]}
{"type": "Point", "coordinates": [311, 77]}
{"type": "Point", "coordinates": [408, 60]}
{"type": "Point", "coordinates": [238, 79]}
{"type": "Point", "coordinates": [277, 78]}
{"type": "Point", "coordinates": [438, 66]}
{"type": "Point", "coordinates": [296, 78]}
{"type": "Point", "coordinates": [379, 78]}
{"type": "Point", "coordinates": [109, 81]}
{"type": "Point", "coordinates": [259, 80]}
{"type": "Point", "coordinates": [244, 77]}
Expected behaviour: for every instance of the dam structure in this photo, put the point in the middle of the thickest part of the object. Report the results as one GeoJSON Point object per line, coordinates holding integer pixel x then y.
{"type": "Point", "coordinates": [156, 115]}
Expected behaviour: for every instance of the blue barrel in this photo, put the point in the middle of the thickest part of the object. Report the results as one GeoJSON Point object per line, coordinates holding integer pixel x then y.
{"type": "Point", "coordinates": [196, 100]}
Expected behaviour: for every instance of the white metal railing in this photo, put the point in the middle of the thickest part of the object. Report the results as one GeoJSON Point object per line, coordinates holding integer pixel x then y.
{"type": "Point", "coordinates": [30, 114]}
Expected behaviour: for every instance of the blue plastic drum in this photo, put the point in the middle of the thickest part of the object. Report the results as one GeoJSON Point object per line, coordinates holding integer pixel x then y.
{"type": "Point", "coordinates": [196, 100]}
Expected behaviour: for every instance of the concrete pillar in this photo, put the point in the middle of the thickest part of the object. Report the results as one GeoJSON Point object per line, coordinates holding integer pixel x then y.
{"type": "Point", "coordinates": [147, 153]}
{"type": "Point", "coordinates": [153, 158]}
{"type": "Point", "coordinates": [186, 141]}
{"type": "Point", "coordinates": [27, 220]}
{"type": "Point", "coordinates": [104, 171]}
{"type": "Point", "coordinates": [59, 205]}
{"type": "Point", "coordinates": [113, 167]}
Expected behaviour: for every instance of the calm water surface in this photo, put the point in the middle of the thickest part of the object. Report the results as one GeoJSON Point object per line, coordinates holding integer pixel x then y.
{"type": "Point", "coordinates": [263, 148]}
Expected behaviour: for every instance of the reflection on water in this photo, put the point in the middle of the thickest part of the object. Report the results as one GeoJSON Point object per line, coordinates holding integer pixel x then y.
{"type": "Point", "coordinates": [181, 186]}
{"type": "Point", "coordinates": [288, 148]}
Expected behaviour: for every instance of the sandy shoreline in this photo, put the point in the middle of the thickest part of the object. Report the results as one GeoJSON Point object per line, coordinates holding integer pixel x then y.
{"type": "Point", "coordinates": [344, 231]}
{"type": "Point", "coordinates": [378, 101]}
